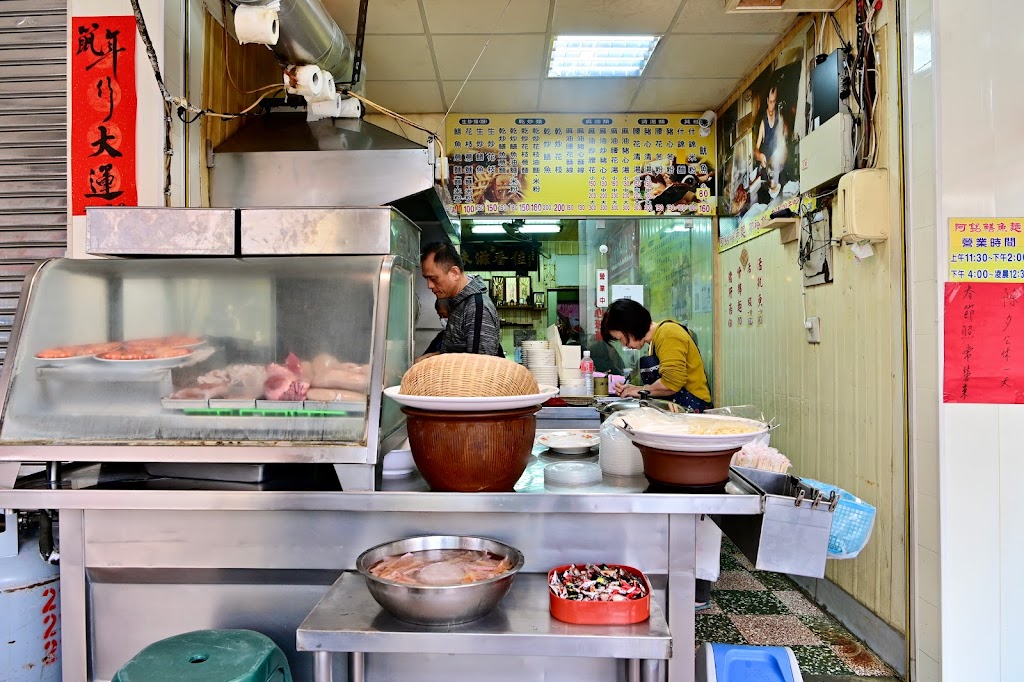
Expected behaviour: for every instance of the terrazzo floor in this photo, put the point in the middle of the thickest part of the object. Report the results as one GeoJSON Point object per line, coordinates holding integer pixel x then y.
{"type": "Point", "coordinates": [759, 607]}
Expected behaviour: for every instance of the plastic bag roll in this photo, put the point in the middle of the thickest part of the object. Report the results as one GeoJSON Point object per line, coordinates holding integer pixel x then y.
{"type": "Point", "coordinates": [257, 24]}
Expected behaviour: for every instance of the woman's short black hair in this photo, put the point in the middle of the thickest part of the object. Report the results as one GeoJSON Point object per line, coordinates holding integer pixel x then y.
{"type": "Point", "coordinates": [627, 317]}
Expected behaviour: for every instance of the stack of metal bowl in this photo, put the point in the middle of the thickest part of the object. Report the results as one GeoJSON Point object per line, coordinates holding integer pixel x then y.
{"type": "Point", "coordinates": [439, 605]}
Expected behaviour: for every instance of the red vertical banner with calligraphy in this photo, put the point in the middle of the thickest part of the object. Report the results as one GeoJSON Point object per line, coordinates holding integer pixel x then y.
{"type": "Point", "coordinates": [103, 106]}
{"type": "Point", "coordinates": [983, 343]}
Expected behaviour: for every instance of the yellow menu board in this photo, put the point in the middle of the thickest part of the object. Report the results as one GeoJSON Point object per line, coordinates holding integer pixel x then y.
{"type": "Point", "coordinates": [580, 164]}
{"type": "Point", "coordinates": [986, 250]}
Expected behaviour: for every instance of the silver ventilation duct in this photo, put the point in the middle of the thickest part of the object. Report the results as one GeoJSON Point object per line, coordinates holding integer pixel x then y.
{"type": "Point", "coordinates": [283, 160]}
{"type": "Point", "coordinates": [308, 35]}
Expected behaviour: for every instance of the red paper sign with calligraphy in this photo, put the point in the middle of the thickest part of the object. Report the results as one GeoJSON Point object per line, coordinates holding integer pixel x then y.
{"type": "Point", "coordinates": [103, 108]}
{"type": "Point", "coordinates": [984, 343]}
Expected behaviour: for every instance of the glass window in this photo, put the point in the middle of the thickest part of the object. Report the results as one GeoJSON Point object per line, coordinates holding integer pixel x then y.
{"type": "Point", "coordinates": [263, 350]}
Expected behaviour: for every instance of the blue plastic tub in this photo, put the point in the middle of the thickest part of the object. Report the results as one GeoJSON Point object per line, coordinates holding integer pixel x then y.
{"type": "Point", "coordinates": [736, 663]}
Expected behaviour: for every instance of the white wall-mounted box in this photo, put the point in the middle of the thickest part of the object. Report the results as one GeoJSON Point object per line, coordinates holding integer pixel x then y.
{"type": "Point", "coordinates": [827, 152]}
{"type": "Point", "coordinates": [860, 211]}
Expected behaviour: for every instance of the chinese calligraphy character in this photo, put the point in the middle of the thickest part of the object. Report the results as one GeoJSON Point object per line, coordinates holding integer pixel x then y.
{"type": "Point", "coordinates": [87, 43]}
{"type": "Point", "coordinates": [101, 185]}
{"type": "Point", "coordinates": [102, 144]}
{"type": "Point", "coordinates": [109, 96]}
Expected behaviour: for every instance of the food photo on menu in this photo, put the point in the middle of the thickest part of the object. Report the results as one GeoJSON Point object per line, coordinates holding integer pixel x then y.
{"type": "Point", "coordinates": [675, 187]}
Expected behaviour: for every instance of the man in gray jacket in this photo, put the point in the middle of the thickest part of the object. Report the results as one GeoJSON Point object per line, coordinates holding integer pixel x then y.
{"type": "Point", "coordinates": [473, 325]}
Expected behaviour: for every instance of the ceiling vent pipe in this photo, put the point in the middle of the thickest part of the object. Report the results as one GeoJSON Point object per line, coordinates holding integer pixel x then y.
{"type": "Point", "coordinates": [308, 35]}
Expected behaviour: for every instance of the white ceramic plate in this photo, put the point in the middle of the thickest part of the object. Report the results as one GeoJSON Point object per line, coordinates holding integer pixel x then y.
{"type": "Point", "coordinates": [64, 361]}
{"type": "Point", "coordinates": [149, 364]}
{"type": "Point", "coordinates": [468, 404]}
{"type": "Point", "coordinates": [569, 442]}
{"type": "Point", "coordinates": [666, 437]}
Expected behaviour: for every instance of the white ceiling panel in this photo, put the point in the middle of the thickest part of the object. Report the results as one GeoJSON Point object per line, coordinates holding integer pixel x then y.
{"type": "Point", "coordinates": [619, 17]}
{"type": "Point", "coordinates": [481, 16]}
{"type": "Point", "coordinates": [704, 56]}
{"type": "Point", "coordinates": [406, 97]}
{"type": "Point", "coordinates": [585, 95]}
{"type": "Point", "coordinates": [705, 16]}
{"type": "Point", "coordinates": [497, 97]}
{"type": "Point", "coordinates": [511, 57]}
{"type": "Point", "coordinates": [382, 16]}
{"type": "Point", "coordinates": [398, 58]}
{"type": "Point", "coordinates": [682, 94]}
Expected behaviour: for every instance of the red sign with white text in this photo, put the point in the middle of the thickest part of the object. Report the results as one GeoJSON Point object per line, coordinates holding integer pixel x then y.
{"type": "Point", "coordinates": [984, 343]}
{"type": "Point", "coordinates": [103, 105]}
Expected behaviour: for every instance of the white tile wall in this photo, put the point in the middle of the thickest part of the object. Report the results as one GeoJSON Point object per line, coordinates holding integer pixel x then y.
{"type": "Point", "coordinates": [975, 54]}
{"type": "Point", "coordinates": [924, 275]}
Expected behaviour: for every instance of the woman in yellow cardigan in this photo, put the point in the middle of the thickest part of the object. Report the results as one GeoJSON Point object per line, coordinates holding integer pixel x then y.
{"type": "Point", "coordinates": [673, 369]}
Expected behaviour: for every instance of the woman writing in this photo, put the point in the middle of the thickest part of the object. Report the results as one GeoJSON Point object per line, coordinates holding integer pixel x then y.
{"type": "Point", "coordinates": [673, 369]}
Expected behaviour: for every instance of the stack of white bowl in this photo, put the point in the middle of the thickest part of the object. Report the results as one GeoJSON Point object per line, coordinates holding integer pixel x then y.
{"type": "Point", "coordinates": [618, 454]}
{"type": "Point", "coordinates": [570, 381]}
{"type": "Point", "coordinates": [540, 360]}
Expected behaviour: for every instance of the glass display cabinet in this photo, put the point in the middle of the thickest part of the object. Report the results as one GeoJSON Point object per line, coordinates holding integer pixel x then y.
{"type": "Point", "coordinates": [247, 361]}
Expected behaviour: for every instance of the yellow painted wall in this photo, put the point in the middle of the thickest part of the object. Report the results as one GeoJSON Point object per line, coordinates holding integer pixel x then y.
{"type": "Point", "coordinates": [841, 402]}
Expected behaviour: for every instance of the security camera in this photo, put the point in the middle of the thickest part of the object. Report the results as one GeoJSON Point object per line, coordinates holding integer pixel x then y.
{"type": "Point", "coordinates": [706, 121]}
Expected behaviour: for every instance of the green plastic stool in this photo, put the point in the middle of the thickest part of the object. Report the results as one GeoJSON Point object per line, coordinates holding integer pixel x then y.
{"type": "Point", "coordinates": [209, 656]}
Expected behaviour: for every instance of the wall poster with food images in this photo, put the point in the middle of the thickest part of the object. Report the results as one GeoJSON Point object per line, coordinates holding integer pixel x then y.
{"type": "Point", "coordinates": [580, 164]}
{"type": "Point", "coordinates": [759, 138]}
{"type": "Point", "coordinates": [104, 102]}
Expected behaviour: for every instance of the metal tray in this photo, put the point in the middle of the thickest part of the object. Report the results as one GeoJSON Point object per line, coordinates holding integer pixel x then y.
{"type": "Point", "coordinates": [269, 405]}
{"type": "Point", "coordinates": [791, 533]}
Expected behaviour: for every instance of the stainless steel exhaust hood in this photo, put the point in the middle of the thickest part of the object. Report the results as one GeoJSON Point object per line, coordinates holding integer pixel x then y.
{"type": "Point", "coordinates": [282, 160]}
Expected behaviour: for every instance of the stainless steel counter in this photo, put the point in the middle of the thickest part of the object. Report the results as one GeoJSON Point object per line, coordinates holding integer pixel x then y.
{"type": "Point", "coordinates": [142, 564]}
{"type": "Point", "coordinates": [613, 495]}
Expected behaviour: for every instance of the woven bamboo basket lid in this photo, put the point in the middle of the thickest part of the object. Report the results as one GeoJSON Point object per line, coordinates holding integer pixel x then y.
{"type": "Point", "coordinates": [468, 375]}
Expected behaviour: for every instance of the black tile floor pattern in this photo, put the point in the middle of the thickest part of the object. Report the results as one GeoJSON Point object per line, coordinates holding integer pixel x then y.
{"type": "Point", "coordinates": [763, 608]}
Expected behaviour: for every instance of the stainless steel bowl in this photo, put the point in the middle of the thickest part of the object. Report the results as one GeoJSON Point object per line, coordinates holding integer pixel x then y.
{"type": "Point", "coordinates": [440, 605]}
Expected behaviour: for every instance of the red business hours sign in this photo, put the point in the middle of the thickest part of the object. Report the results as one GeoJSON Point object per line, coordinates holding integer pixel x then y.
{"type": "Point", "coordinates": [103, 106]}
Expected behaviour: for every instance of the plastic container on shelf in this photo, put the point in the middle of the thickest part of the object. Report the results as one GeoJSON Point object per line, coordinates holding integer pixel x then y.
{"type": "Point", "coordinates": [587, 372]}
{"type": "Point", "coordinates": [601, 612]}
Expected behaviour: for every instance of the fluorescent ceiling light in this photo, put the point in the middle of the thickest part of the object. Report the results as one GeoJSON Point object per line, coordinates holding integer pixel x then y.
{"type": "Point", "coordinates": [540, 229]}
{"type": "Point", "coordinates": [600, 56]}
{"type": "Point", "coordinates": [488, 229]}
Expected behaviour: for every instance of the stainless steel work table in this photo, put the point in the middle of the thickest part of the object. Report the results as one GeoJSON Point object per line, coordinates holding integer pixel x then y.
{"type": "Point", "coordinates": [143, 563]}
{"type": "Point", "coordinates": [347, 619]}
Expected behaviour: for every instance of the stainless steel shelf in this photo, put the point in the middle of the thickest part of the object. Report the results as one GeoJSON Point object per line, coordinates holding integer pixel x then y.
{"type": "Point", "coordinates": [347, 619]}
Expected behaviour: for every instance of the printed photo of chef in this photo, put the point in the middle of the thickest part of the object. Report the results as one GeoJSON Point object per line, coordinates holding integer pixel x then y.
{"type": "Point", "coordinates": [760, 136]}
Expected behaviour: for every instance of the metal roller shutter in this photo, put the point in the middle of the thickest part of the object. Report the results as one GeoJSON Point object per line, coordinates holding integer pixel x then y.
{"type": "Point", "coordinates": [33, 144]}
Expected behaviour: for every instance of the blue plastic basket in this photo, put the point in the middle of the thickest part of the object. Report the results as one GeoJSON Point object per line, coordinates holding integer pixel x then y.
{"type": "Point", "coordinates": [851, 523]}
